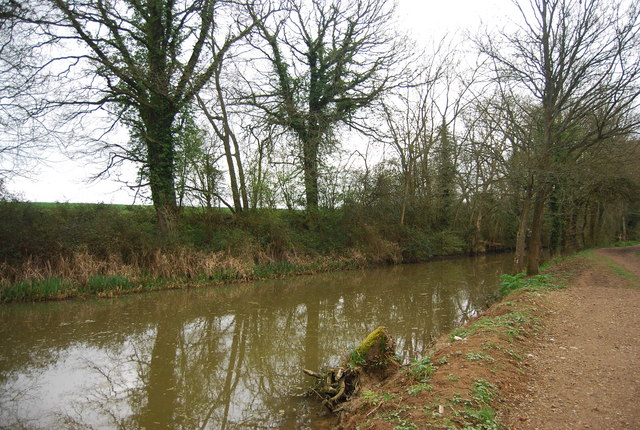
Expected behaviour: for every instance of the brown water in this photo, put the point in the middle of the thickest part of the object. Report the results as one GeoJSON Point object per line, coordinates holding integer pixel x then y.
{"type": "Point", "coordinates": [220, 358]}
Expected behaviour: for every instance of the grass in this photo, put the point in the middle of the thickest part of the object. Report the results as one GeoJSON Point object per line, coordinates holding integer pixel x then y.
{"type": "Point", "coordinates": [627, 243]}
{"type": "Point", "coordinates": [631, 278]}
{"type": "Point", "coordinates": [519, 281]}
{"type": "Point", "coordinates": [461, 391]}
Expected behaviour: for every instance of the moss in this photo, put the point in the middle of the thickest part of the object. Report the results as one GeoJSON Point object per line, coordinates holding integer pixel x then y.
{"type": "Point", "coordinates": [380, 338]}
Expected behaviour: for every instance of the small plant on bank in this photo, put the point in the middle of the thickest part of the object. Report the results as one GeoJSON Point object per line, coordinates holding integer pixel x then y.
{"type": "Point", "coordinates": [422, 369]}
{"type": "Point", "coordinates": [376, 398]}
{"type": "Point", "coordinates": [477, 356]}
{"type": "Point", "coordinates": [483, 391]}
{"type": "Point", "coordinates": [419, 388]}
{"type": "Point", "coordinates": [356, 359]}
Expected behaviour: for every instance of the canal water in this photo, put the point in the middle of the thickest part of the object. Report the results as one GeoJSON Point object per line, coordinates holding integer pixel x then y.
{"type": "Point", "coordinates": [227, 357]}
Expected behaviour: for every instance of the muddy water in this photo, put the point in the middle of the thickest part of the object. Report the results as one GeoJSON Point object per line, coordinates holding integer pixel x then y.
{"type": "Point", "coordinates": [219, 358]}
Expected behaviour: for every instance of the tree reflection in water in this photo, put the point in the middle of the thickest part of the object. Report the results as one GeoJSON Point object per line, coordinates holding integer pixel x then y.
{"type": "Point", "coordinates": [219, 358]}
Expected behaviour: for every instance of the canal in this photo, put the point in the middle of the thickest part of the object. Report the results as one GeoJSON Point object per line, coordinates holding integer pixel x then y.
{"type": "Point", "coordinates": [228, 357]}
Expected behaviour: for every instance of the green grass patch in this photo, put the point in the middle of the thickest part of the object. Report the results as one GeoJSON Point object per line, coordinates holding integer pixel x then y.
{"type": "Point", "coordinates": [627, 243]}
{"type": "Point", "coordinates": [616, 269]}
{"type": "Point", "coordinates": [36, 289]}
{"type": "Point", "coordinates": [510, 283]}
{"type": "Point", "coordinates": [100, 283]}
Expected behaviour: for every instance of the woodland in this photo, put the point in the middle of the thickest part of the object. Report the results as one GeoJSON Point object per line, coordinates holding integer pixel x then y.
{"type": "Point", "coordinates": [273, 137]}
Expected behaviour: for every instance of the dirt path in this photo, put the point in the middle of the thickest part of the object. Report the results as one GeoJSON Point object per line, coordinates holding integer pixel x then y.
{"type": "Point", "coordinates": [586, 371]}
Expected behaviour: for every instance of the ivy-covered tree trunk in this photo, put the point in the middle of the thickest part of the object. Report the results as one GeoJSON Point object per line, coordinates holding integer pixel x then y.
{"type": "Point", "coordinates": [161, 160]}
{"type": "Point", "coordinates": [328, 60]}
{"type": "Point", "coordinates": [310, 166]}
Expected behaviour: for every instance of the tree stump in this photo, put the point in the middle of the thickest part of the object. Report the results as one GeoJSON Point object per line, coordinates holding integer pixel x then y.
{"type": "Point", "coordinates": [370, 362]}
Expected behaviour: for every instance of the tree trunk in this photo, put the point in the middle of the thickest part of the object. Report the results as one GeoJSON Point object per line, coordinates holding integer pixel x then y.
{"type": "Point", "coordinates": [535, 241]}
{"type": "Point", "coordinates": [310, 166]}
{"type": "Point", "coordinates": [570, 243]}
{"type": "Point", "coordinates": [519, 258]}
{"type": "Point", "coordinates": [161, 166]}
{"type": "Point", "coordinates": [558, 222]}
{"type": "Point", "coordinates": [241, 178]}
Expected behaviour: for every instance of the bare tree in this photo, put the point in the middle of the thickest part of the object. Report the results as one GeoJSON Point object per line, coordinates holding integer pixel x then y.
{"type": "Point", "coordinates": [22, 84]}
{"type": "Point", "coordinates": [328, 60]}
{"type": "Point", "coordinates": [576, 63]}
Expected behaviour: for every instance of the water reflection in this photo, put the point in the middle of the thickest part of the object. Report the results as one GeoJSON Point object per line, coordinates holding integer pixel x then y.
{"type": "Point", "coordinates": [219, 358]}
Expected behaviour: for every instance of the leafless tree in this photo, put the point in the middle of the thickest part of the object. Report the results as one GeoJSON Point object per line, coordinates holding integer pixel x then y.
{"type": "Point", "coordinates": [576, 63]}
{"type": "Point", "coordinates": [325, 62]}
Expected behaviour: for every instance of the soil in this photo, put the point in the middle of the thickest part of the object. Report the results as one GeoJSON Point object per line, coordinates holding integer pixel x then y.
{"type": "Point", "coordinates": [586, 371]}
{"type": "Point", "coordinates": [548, 359]}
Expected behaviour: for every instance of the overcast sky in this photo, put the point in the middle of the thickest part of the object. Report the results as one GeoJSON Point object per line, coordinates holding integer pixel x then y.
{"type": "Point", "coordinates": [426, 21]}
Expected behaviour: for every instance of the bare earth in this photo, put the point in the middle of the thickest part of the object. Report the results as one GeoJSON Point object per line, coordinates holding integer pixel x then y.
{"type": "Point", "coordinates": [585, 373]}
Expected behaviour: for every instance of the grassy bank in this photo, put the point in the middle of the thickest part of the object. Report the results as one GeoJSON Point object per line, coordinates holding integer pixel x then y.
{"type": "Point", "coordinates": [461, 382]}
{"type": "Point", "coordinates": [470, 372]}
{"type": "Point", "coordinates": [55, 251]}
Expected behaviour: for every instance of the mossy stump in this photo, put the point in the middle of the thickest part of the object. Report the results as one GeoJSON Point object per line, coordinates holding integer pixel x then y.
{"type": "Point", "coordinates": [370, 362]}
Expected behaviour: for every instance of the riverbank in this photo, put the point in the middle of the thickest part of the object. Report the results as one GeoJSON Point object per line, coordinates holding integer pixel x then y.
{"type": "Point", "coordinates": [58, 251]}
{"type": "Point", "coordinates": [559, 353]}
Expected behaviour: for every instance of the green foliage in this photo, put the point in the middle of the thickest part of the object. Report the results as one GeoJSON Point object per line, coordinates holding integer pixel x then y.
{"type": "Point", "coordinates": [481, 419]}
{"type": "Point", "coordinates": [419, 388]}
{"type": "Point", "coordinates": [356, 358]}
{"type": "Point", "coordinates": [447, 242]}
{"type": "Point", "coordinates": [416, 245]}
{"type": "Point", "coordinates": [477, 356]}
{"type": "Point", "coordinates": [508, 323]}
{"type": "Point", "coordinates": [627, 243]}
{"type": "Point", "coordinates": [376, 398]}
{"type": "Point", "coordinates": [519, 281]}
{"type": "Point", "coordinates": [459, 332]}
{"type": "Point", "coordinates": [422, 369]}
{"type": "Point", "coordinates": [483, 391]}
{"type": "Point", "coordinates": [33, 289]}
{"type": "Point", "coordinates": [101, 283]}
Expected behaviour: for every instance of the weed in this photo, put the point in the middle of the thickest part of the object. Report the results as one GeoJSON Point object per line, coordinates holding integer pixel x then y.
{"type": "Point", "coordinates": [403, 424]}
{"type": "Point", "coordinates": [356, 359]}
{"type": "Point", "coordinates": [406, 425]}
{"type": "Point", "coordinates": [101, 283]}
{"type": "Point", "coordinates": [508, 323]}
{"type": "Point", "coordinates": [459, 400]}
{"type": "Point", "coordinates": [453, 378]}
{"type": "Point", "coordinates": [422, 369]}
{"type": "Point", "coordinates": [483, 391]}
{"type": "Point", "coordinates": [515, 355]}
{"type": "Point", "coordinates": [519, 281]}
{"type": "Point", "coordinates": [477, 356]}
{"type": "Point", "coordinates": [491, 345]}
{"type": "Point", "coordinates": [627, 243]}
{"type": "Point", "coordinates": [481, 419]}
{"type": "Point", "coordinates": [376, 398]}
{"type": "Point", "coordinates": [419, 388]}
{"type": "Point", "coordinates": [458, 333]}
